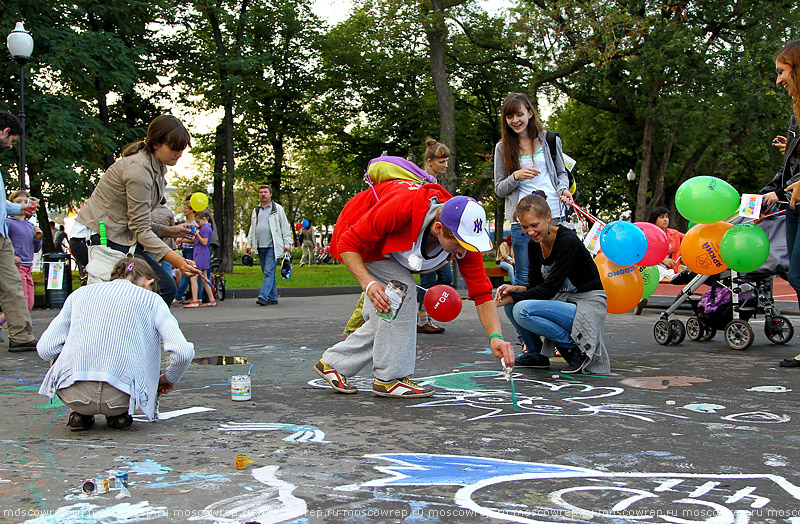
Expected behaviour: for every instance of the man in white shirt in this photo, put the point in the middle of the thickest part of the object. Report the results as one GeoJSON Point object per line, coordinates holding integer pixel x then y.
{"type": "Point", "coordinates": [271, 236]}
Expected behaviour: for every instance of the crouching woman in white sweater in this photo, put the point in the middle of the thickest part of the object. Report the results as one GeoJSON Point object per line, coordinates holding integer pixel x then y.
{"type": "Point", "coordinates": [107, 341]}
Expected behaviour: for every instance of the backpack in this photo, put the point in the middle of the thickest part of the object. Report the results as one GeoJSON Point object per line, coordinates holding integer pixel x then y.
{"type": "Point", "coordinates": [385, 168]}
{"type": "Point", "coordinates": [550, 137]}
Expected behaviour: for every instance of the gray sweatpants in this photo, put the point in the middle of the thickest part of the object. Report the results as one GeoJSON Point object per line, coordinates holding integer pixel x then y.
{"type": "Point", "coordinates": [391, 347]}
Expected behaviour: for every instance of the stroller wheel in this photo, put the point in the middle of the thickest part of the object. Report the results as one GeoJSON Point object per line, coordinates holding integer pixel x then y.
{"type": "Point", "coordinates": [779, 329]}
{"type": "Point", "coordinates": [678, 332]}
{"type": "Point", "coordinates": [739, 335]}
{"type": "Point", "coordinates": [662, 332]}
{"type": "Point", "coordinates": [710, 332]}
{"type": "Point", "coordinates": [694, 328]}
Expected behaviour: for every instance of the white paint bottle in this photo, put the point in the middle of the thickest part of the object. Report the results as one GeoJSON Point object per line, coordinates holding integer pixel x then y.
{"type": "Point", "coordinates": [240, 387]}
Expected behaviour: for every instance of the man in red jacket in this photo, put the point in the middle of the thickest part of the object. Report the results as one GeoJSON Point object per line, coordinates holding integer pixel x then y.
{"type": "Point", "coordinates": [388, 233]}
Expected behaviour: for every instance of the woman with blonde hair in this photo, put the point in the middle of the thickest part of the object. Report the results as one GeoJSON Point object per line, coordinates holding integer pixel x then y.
{"type": "Point", "coordinates": [437, 156]}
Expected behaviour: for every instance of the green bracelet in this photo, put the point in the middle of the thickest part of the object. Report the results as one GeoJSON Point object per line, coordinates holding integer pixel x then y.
{"type": "Point", "coordinates": [496, 335]}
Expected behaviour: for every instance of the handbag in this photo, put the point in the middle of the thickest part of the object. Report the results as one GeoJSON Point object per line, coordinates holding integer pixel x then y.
{"type": "Point", "coordinates": [102, 260]}
{"type": "Point", "coordinates": [286, 266]}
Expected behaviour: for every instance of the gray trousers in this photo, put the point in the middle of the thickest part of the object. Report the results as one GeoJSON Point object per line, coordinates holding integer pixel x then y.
{"type": "Point", "coordinates": [12, 298]}
{"type": "Point", "coordinates": [391, 347]}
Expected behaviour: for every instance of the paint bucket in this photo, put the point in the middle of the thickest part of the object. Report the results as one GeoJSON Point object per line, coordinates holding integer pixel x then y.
{"type": "Point", "coordinates": [240, 387]}
{"type": "Point", "coordinates": [89, 487]}
{"type": "Point", "coordinates": [241, 461]}
{"type": "Point", "coordinates": [121, 479]}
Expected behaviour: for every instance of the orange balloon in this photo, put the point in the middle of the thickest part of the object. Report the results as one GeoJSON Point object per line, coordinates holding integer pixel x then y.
{"type": "Point", "coordinates": [624, 285]}
{"type": "Point", "coordinates": [700, 248]}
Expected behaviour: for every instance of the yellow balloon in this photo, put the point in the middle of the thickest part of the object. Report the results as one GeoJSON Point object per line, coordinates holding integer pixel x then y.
{"type": "Point", "coordinates": [198, 201]}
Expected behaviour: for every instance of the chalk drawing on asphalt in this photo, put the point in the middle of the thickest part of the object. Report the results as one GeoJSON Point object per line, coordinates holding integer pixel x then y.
{"type": "Point", "coordinates": [499, 489]}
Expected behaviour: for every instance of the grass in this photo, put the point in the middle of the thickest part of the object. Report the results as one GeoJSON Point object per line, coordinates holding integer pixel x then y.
{"type": "Point", "coordinates": [244, 277]}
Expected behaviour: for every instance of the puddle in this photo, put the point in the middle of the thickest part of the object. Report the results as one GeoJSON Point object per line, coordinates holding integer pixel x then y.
{"type": "Point", "coordinates": [220, 360]}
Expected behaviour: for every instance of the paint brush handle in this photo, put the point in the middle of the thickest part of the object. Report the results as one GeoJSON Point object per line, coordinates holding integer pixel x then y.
{"type": "Point", "coordinates": [250, 370]}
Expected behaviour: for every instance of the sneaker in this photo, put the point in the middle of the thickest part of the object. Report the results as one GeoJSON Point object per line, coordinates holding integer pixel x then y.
{"type": "Point", "coordinates": [404, 387]}
{"type": "Point", "coordinates": [430, 328]}
{"type": "Point", "coordinates": [16, 347]}
{"type": "Point", "coordinates": [576, 361]}
{"type": "Point", "coordinates": [338, 382]}
{"type": "Point", "coordinates": [790, 363]}
{"type": "Point", "coordinates": [529, 360]}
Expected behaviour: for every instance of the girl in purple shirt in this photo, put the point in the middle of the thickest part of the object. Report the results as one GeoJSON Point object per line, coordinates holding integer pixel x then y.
{"type": "Point", "coordinates": [202, 259]}
{"type": "Point", "coordinates": [27, 240]}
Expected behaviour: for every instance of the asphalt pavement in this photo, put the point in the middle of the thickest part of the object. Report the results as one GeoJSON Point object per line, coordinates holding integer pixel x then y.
{"type": "Point", "coordinates": [694, 432]}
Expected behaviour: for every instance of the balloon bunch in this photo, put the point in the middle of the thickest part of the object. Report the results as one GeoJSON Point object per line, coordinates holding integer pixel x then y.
{"type": "Point", "coordinates": [630, 251]}
{"type": "Point", "coordinates": [712, 246]}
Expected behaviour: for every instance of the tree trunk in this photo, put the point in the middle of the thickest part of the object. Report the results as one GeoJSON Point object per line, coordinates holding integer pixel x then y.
{"type": "Point", "coordinates": [437, 38]}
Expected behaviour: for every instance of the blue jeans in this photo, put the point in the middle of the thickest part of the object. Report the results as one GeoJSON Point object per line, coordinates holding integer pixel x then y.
{"type": "Point", "coordinates": [509, 268]}
{"type": "Point", "coordinates": [443, 275]}
{"type": "Point", "coordinates": [793, 247]}
{"type": "Point", "coordinates": [269, 287]}
{"type": "Point", "coordinates": [519, 244]}
{"type": "Point", "coordinates": [551, 319]}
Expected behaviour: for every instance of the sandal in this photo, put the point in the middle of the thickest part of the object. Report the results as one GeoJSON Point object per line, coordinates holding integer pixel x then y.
{"type": "Point", "coordinates": [78, 422]}
{"type": "Point", "coordinates": [212, 303]}
{"type": "Point", "coordinates": [123, 421]}
{"type": "Point", "coordinates": [192, 304]}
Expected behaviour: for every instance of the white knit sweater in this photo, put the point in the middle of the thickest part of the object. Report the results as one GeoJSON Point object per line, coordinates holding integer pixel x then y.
{"type": "Point", "coordinates": [112, 332]}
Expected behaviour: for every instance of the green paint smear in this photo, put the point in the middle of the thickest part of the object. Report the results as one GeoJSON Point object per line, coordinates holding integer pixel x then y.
{"type": "Point", "coordinates": [462, 381]}
{"type": "Point", "coordinates": [54, 403]}
{"type": "Point", "coordinates": [27, 387]}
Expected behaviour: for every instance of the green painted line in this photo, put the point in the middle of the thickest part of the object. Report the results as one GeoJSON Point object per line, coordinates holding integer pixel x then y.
{"type": "Point", "coordinates": [463, 381]}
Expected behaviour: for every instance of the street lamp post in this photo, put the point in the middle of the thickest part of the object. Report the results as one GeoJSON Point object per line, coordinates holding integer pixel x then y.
{"type": "Point", "coordinates": [20, 45]}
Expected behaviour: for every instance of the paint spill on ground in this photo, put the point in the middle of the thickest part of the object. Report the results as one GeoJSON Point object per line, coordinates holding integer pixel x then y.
{"type": "Point", "coordinates": [164, 415]}
{"type": "Point", "coordinates": [662, 382]}
{"type": "Point", "coordinates": [300, 433]}
{"type": "Point", "coordinates": [85, 513]}
{"type": "Point", "coordinates": [703, 408]}
{"type": "Point", "coordinates": [148, 467]}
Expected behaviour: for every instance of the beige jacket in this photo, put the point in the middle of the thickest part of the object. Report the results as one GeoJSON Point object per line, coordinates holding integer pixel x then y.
{"type": "Point", "coordinates": [124, 199]}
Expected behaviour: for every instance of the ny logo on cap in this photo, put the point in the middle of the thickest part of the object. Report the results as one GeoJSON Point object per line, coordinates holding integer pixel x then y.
{"type": "Point", "coordinates": [478, 225]}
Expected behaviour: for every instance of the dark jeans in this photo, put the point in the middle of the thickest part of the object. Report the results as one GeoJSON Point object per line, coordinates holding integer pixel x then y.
{"type": "Point", "coordinates": [443, 275]}
{"type": "Point", "coordinates": [166, 284]}
{"type": "Point", "coordinates": [793, 247]}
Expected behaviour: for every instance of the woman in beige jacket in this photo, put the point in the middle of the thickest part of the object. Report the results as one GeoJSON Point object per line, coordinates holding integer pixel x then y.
{"type": "Point", "coordinates": [127, 194]}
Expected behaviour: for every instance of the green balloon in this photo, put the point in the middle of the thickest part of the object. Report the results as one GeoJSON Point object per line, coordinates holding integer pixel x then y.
{"type": "Point", "coordinates": [744, 247]}
{"type": "Point", "coordinates": [706, 199]}
{"type": "Point", "coordinates": [650, 279]}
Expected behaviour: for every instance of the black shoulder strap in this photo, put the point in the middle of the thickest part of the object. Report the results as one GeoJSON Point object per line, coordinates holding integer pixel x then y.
{"type": "Point", "coordinates": [550, 137]}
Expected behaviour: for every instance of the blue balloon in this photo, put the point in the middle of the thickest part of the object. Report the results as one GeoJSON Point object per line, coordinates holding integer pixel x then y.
{"type": "Point", "coordinates": [305, 223]}
{"type": "Point", "coordinates": [624, 243]}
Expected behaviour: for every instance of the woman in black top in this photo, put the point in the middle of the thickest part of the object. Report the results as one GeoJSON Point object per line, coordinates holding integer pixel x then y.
{"type": "Point", "coordinates": [564, 302]}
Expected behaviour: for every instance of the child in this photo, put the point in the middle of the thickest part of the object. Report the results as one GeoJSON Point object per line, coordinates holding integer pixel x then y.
{"type": "Point", "coordinates": [202, 260]}
{"type": "Point", "coordinates": [27, 240]}
{"type": "Point", "coordinates": [108, 339]}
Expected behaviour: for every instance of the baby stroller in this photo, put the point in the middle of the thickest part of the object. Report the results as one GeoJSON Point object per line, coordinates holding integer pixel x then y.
{"type": "Point", "coordinates": [732, 299]}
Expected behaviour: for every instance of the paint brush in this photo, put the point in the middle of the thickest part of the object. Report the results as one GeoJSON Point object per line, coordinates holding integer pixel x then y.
{"type": "Point", "coordinates": [250, 370]}
{"type": "Point", "coordinates": [508, 374]}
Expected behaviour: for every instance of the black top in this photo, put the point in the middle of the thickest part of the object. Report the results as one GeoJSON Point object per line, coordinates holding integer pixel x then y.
{"type": "Point", "coordinates": [569, 259]}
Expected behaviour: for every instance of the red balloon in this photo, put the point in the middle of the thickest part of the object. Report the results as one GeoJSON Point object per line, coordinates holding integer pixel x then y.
{"type": "Point", "coordinates": [657, 244]}
{"type": "Point", "coordinates": [443, 303]}
{"type": "Point", "coordinates": [298, 226]}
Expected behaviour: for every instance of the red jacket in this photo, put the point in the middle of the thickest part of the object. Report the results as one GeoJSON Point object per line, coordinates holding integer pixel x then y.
{"type": "Point", "coordinates": [374, 229]}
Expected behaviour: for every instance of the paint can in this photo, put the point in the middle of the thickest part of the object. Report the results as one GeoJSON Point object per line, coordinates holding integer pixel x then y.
{"type": "Point", "coordinates": [240, 387]}
{"type": "Point", "coordinates": [241, 461]}
{"type": "Point", "coordinates": [89, 486]}
{"type": "Point", "coordinates": [121, 479]}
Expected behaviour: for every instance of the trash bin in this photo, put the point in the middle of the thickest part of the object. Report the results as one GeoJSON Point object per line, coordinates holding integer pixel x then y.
{"type": "Point", "coordinates": [54, 298]}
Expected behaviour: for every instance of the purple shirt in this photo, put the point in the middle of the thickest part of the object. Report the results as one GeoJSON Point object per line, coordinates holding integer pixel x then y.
{"type": "Point", "coordinates": [20, 232]}
{"type": "Point", "coordinates": [202, 255]}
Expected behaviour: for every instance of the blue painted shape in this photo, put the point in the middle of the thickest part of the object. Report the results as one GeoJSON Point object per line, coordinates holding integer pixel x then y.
{"type": "Point", "coordinates": [188, 478]}
{"type": "Point", "coordinates": [412, 469]}
{"type": "Point", "coordinates": [148, 467]}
